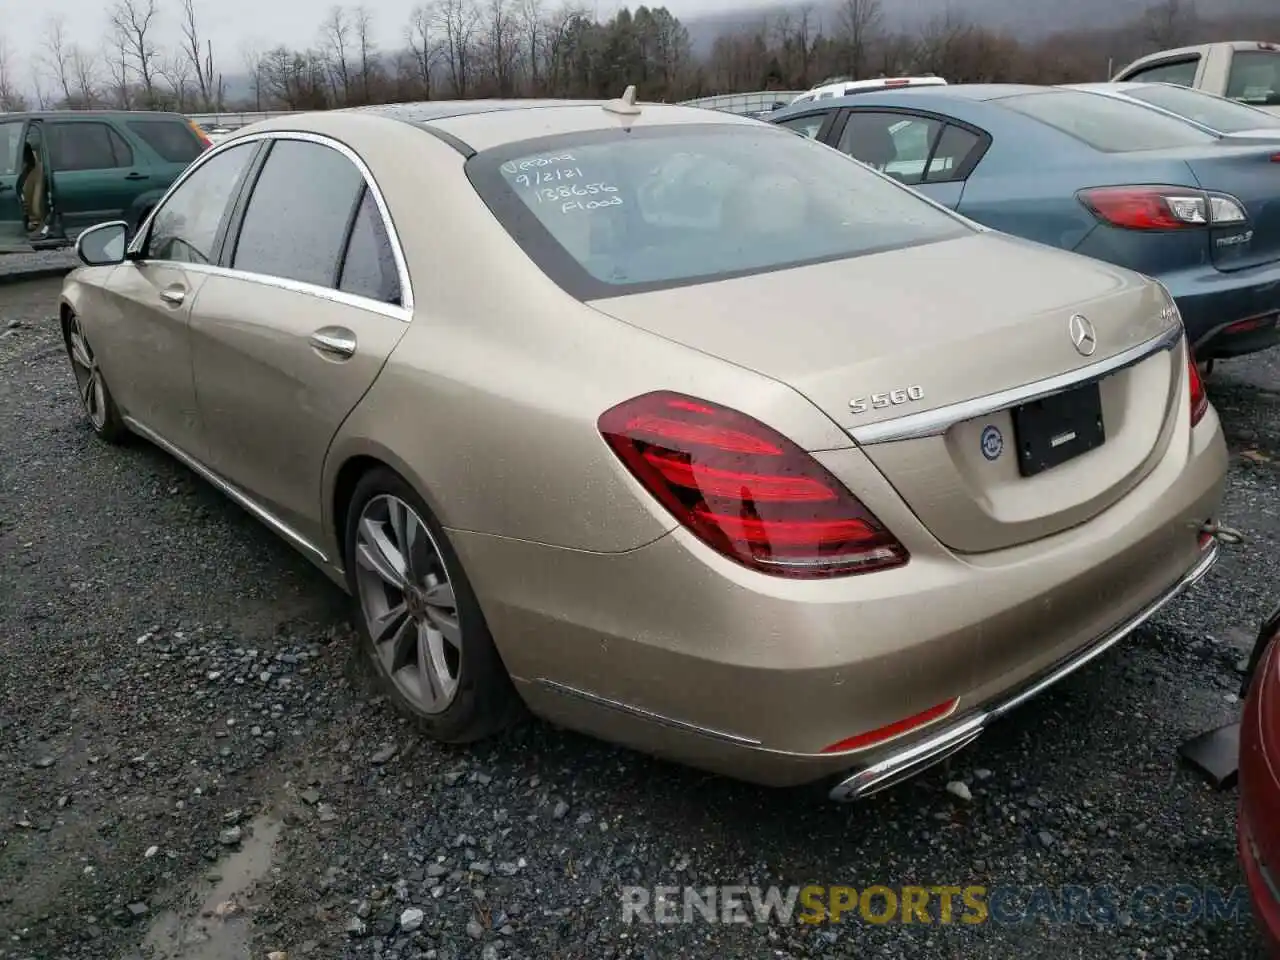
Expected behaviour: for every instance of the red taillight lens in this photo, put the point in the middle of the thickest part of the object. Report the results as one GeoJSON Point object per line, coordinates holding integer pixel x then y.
{"type": "Point", "coordinates": [1148, 208]}
{"type": "Point", "coordinates": [745, 490]}
{"type": "Point", "coordinates": [896, 729]}
{"type": "Point", "coordinates": [1199, 396]}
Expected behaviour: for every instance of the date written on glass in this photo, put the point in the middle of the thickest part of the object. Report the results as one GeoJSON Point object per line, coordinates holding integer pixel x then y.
{"type": "Point", "coordinates": [533, 163]}
{"type": "Point", "coordinates": [538, 178]}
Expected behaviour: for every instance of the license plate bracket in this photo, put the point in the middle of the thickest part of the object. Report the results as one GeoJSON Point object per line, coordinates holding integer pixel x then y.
{"type": "Point", "coordinates": [1054, 429]}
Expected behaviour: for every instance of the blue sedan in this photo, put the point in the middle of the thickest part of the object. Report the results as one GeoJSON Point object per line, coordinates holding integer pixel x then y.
{"type": "Point", "coordinates": [1101, 176]}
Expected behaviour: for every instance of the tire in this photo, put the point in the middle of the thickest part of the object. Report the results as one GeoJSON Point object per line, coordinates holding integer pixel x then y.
{"type": "Point", "coordinates": [91, 386]}
{"type": "Point", "coordinates": [439, 666]}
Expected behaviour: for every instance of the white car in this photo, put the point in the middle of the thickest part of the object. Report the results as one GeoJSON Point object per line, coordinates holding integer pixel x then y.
{"type": "Point", "coordinates": [1243, 70]}
{"type": "Point", "coordinates": [844, 88]}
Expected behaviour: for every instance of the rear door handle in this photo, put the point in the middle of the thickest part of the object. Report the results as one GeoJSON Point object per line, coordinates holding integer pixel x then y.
{"type": "Point", "coordinates": [173, 295]}
{"type": "Point", "coordinates": [337, 342]}
{"type": "Point", "coordinates": [137, 176]}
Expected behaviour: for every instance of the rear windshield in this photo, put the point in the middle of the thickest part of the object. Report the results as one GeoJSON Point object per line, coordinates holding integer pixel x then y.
{"type": "Point", "coordinates": [174, 140]}
{"type": "Point", "coordinates": [1225, 116]}
{"type": "Point", "coordinates": [609, 212]}
{"type": "Point", "coordinates": [1255, 78]}
{"type": "Point", "coordinates": [1107, 124]}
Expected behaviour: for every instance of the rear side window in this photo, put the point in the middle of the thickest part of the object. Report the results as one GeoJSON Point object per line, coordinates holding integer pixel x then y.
{"type": "Point", "coordinates": [1226, 116]}
{"type": "Point", "coordinates": [1255, 78]}
{"type": "Point", "coordinates": [1181, 72]}
{"type": "Point", "coordinates": [172, 139]}
{"type": "Point", "coordinates": [805, 126]}
{"type": "Point", "coordinates": [369, 268]}
{"type": "Point", "coordinates": [84, 145]}
{"type": "Point", "coordinates": [10, 147]}
{"type": "Point", "coordinates": [611, 212]}
{"type": "Point", "coordinates": [1107, 124]}
{"type": "Point", "coordinates": [296, 222]}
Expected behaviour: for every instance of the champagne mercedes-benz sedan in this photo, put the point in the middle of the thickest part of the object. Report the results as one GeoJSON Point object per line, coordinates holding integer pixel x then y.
{"type": "Point", "coordinates": [672, 426]}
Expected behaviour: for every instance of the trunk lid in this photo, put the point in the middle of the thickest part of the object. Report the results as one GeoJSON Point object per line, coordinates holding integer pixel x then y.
{"type": "Point", "coordinates": [932, 326]}
{"type": "Point", "coordinates": [1250, 174]}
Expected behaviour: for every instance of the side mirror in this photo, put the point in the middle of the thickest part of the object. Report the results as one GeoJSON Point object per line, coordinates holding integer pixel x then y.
{"type": "Point", "coordinates": [103, 245]}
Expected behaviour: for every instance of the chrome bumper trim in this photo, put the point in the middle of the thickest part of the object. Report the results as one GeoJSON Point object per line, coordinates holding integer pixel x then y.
{"type": "Point", "coordinates": [924, 753]}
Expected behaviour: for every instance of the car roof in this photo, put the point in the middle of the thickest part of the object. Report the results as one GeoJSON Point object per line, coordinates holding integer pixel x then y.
{"type": "Point", "coordinates": [475, 125]}
{"type": "Point", "coordinates": [89, 115]}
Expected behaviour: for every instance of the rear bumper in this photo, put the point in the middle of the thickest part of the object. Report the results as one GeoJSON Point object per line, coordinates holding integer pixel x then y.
{"type": "Point", "coordinates": [1211, 302]}
{"type": "Point", "coordinates": [906, 762]}
{"type": "Point", "coordinates": [678, 652]}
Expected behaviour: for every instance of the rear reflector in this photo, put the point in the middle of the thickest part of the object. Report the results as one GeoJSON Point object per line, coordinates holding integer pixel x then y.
{"type": "Point", "coordinates": [896, 729]}
{"type": "Point", "coordinates": [1199, 397]}
{"type": "Point", "coordinates": [1244, 326]}
{"type": "Point", "coordinates": [745, 490]}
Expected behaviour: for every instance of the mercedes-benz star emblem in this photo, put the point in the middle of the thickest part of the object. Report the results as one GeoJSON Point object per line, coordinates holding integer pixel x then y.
{"type": "Point", "coordinates": [1083, 335]}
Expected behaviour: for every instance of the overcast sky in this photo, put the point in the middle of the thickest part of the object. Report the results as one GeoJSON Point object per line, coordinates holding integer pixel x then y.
{"type": "Point", "coordinates": [234, 26]}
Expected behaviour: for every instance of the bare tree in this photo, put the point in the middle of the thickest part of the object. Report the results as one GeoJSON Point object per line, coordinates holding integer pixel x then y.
{"type": "Point", "coordinates": [58, 55]}
{"type": "Point", "coordinates": [199, 56]}
{"type": "Point", "coordinates": [335, 34]}
{"type": "Point", "coordinates": [556, 45]}
{"type": "Point", "coordinates": [502, 45]}
{"type": "Point", "coordinates": [458, 21]}
{"type": "Point", "coordinates": [858, 21]}
{"type": "Point", "coordinates": [1171, 23]}
{"type": "Point", "coordinates": [533, 24]}
{"type": "Point", "coordinates": [11, 98]}
{"type": "Point", "coordinates": [117, 58]}
{"type": "Point", "coordinates": [84, 72]}
{"type": "Point", "coordinates": [176, 72]}
{"type": "Point", "coordinates": [421, 36]}
{"type": "Point", "coordinates": [134, 21]}
{"type": "Point", "coordinates": [366, 52]}
{"type": "Point", "coordinates": [252, 58]}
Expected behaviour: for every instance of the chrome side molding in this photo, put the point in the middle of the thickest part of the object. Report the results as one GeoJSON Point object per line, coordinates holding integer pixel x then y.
{"type": "Point", "coordinates": [260, 512]}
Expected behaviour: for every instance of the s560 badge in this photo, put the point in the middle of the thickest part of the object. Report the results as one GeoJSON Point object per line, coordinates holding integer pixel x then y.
{"type": "Point", "coordinates": [880, 401]}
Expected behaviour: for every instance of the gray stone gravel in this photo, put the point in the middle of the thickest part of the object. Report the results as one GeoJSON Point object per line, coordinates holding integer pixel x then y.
{"type": "Point", "coordinates": [18, 267]}
{"type": "Point", "coordinates": [171, 675]}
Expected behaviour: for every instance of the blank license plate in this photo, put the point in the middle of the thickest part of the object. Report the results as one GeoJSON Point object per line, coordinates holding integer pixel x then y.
{"type": "Point", "coordinates": [1059, 428]}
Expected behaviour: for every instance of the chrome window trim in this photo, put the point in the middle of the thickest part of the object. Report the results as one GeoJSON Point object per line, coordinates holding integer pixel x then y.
{"type": "Point", "coordinates": [932, 423]}
{"type": "Point", "coordinates": [394, 311]}
{"type": "Point", "coordinates": [402, 311]}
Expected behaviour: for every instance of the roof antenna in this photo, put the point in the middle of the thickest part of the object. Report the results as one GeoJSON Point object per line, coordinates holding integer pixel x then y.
{"type": "Point", "coordinates": [625, 104]}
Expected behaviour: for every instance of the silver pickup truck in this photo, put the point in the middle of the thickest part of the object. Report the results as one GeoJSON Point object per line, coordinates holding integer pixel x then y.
{"type": "Point", "coordinates": [1244, 70]}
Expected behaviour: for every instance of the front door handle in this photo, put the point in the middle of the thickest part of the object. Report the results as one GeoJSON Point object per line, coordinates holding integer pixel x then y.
{"type": "Point", "coordinates": [337, 342]}
{"type": "Point", "coordinates": [173, 295]}
{"type": "Point", "coordinates": [137, 176]}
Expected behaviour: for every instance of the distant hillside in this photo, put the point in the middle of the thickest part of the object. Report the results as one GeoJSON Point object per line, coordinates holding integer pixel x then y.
{"type": "Point", "coordinates": [1024, 19]}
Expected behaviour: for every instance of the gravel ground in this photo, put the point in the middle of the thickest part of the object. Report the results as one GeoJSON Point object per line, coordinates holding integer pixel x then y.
{"type": "Point", "coordinates": [17, 267]}
{"type": "Point", "coordinates": [192, 764]}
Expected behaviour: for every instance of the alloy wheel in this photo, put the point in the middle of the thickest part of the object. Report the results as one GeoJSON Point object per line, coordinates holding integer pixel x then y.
{"type": "Point", "coordinates": [408, 603]}
{"type": "Point", "coordinates": [88, 376]}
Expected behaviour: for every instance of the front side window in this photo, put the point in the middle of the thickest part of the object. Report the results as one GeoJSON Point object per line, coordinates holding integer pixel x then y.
{"type": "Point", "coordinates": [1181, 72]}
{"type": "Point", "coordinates": [86, 146]}
{"type": "Point", "coordinates": [185, 228]}
{"type": "Point", "coordinates": [1216, 113]}
{"type": "Point", "coordinates": [297, 218]}
{"type": "Point", "coordinates": [1255, 78]}
{"type": "Point", "coordinates": [610, 212]}
{"type": "Point", "coordinates": [1105, 123]}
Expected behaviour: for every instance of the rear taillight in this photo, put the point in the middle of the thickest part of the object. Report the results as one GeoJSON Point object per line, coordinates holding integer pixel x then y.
{"type": "Point", "coordinates": [745, 490]}
{"type": "Point", "coordinates": [1199, 397]}
{"type": "Point", "coordinates": [1161, 208]}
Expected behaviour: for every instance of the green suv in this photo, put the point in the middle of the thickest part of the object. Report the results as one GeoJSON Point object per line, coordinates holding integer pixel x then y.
{"type": "Point", "coordinates": [62, 172]}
